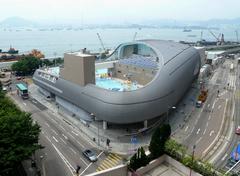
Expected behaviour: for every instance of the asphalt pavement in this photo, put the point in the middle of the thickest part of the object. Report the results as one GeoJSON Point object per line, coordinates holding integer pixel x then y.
{"type": "Point", "coordinates": [63, 143]}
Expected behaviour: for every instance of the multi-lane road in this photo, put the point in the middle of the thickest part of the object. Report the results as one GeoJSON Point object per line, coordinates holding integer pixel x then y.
{"type": "Point", "coordinates": [211, 127]}
{"type": "Point", "coordinates": [63, 143]}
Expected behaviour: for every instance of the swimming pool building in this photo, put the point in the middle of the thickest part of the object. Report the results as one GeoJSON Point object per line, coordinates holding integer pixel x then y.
{"type": "Point", "coordinates": [139, 81]}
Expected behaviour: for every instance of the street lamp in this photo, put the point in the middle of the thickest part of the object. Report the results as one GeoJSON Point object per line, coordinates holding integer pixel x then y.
{"type": "Point", "coordinates": [93, 115]}
{"type": "Point", "coordinates": [194, 147]}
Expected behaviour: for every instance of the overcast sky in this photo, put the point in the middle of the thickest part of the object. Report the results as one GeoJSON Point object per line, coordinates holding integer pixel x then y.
{"type": "Point", "coordinates": [120, 10]}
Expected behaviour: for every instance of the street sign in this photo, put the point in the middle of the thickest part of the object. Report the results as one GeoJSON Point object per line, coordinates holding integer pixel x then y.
{"type": "Point", "coordinates": [133, 139]}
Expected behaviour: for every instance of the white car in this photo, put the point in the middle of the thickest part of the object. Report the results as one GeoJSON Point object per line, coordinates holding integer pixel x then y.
{"type": "Point", "coordinates": [4, 89]}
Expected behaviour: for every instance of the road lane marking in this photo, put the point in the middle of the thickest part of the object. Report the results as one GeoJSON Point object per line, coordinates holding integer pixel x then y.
{"type": "Point", "coordinates": [74, 133]}
{"type": "Point", "coordinates": [211, 133]}
{"type": "Point", "coordinates": [100, 154]}
{"type": "Point", "coordinates": [73, 150]}
{"type": "Point", "coordinates": [70, 135]}
{"type": "Point", "coordinates": [85, 168]}
{"type": "Point", "coordinates": [65, 136]}
{"type": "Point", "coordinates": [186, 128]}
{"type": "Point", "coordinates": [207, 125]}
{"type": "Point", "coordinates": [205, 131]}
{"type": "Point", "coordinates": [47, 124]}
{"type": "Point", "coordinates": [192, 130]}
{"type": "Point", "coordinates": [48, 139]}
{"type": "Point", "coordinates": [54, 138]}
{"type": "Point", "coordinates": [209, 117]}
{"type": "Point", "coordinates": [224, 157]}
{"type": "Point", "coordinates": [25, 104]}
{"type": "Point", "coordinates": [219, 106]}
{"type": "Point", "coordinates": [70, 167]}
{"type": "Point", "coordinates": [208, 105]}
{"type": "Point", "coordinates": [83, 161]}
{"type": "Point", "coordinates": [54, 120]}
{"type": "Point", "coordinates": [62, 128]}
{"type": "Point", "coordinates": [80, 144]}
{"type": "Point", "coordinates": [214, 103]}
{"type": "Point", "coordinates": [54, 131]}
{"type": "Point", "coordinates": [198, 140]}
{"type": "Point", "coordinates": [63, 140]}
{"type": "Point", "coordinates": [198, 130]}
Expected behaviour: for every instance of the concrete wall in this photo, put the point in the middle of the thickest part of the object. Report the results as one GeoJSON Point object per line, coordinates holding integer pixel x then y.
{"type": "Point", "coordinates": [120, 170]}
{"type": "Point", "coordinates": [141, 75]}
{"type": "Point", "coordinates": [104, 65]}
{"type": "Point", "coordinates": [180, 166]}
{"type": "Point", "coordinates": [79, 69]}
{"type": "Point", "coordinates": [6, 64]}
{"type": "Point", "coordinates": [165, 158]}
{"type": "Point", "coordinates": [153, 164]}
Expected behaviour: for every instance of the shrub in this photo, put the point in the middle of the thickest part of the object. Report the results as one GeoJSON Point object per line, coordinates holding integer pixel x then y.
{"type": "Point", "coordinates": [139, 159]}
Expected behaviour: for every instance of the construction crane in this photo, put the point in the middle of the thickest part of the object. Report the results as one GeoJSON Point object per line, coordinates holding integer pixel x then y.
{"type": "Point", "coordinates": [134, 37]}
{"type": "Point", "coordinates": [104, 49]}
{"type": "Point", "coordinates": [237, 35]}
{"type": "Point", "coordinates": [220, 41]}
{"type": "Point", "coordinates": [217, 38]}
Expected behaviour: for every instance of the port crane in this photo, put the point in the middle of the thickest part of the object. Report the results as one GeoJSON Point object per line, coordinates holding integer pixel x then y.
{"type": "Point", "coordinates": [101, 42]}
{"type": "Point", "coordinates": [237, 35]}
{"type": "Point", "coordinates": [134, 37]}
{"type": "Point", "coordinates": [220, 41]}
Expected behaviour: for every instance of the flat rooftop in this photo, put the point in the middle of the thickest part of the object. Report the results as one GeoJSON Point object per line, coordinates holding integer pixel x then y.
{"type": "Point", "coordinates": [103, 80]}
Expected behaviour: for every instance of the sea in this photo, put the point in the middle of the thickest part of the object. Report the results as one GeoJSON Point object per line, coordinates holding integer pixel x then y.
{"type": "Point", "coordinates": [54, 43]}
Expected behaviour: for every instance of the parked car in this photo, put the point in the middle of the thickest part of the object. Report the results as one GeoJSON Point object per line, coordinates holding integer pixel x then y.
{"type": "Point", "coordinates": [238, 130]}
{"type": "Point", "coordinates": [89, 154]}
{"type": "Point", "coordinates": [19, 78]}
{"type": "Point", "coordinates": [4, 89]}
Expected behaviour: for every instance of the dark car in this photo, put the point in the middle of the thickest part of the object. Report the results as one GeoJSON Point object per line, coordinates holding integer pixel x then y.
{"type": "Point", "coordinates": [89, 154]}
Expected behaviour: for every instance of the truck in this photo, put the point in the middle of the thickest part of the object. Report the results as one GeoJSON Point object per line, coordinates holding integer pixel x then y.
{"type": "Point", "coordinates": [201, 98]}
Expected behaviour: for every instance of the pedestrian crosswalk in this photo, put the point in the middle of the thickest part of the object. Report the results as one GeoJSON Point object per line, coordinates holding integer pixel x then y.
{"type": "Point", "coordinates": [111, 161]}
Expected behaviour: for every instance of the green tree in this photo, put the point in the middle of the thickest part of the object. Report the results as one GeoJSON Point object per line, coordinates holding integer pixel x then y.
{"type": "Point", "coordinates": [139, 159]}
{"type": "Point", "coordinates": [18, 136]}
{"type": "Point", "coordinates": [158, 140]}
{"type": "Point", "coordinates": [27, 65]}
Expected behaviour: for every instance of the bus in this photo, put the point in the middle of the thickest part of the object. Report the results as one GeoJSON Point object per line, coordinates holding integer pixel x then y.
{"type": "Point", "coordinates": [22, 90]}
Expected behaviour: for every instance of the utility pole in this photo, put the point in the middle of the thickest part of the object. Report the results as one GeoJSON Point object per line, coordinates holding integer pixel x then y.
{"type": "Point", "coordinates": [237, 35]}
{"type": "Point", "coordinates": [193, 152]}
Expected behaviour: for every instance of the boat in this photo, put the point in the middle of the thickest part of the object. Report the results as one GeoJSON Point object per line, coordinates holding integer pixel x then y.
{"type": "Point", "coordinates": [187, 30]}
{"type": "Point", "coordinates": [12, 51]}
{"type": "Point", "coordinates": [192, 35]}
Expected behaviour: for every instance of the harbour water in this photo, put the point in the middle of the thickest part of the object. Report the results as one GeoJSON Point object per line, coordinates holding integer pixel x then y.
{"type": "Point", "coordinates": [57, 42]}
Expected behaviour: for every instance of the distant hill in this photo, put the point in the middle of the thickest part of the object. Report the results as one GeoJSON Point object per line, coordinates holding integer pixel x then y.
{"type": "Point", "coordinates": [13, 22]}
{"type": "Point", "coordinates": [17, 22]}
